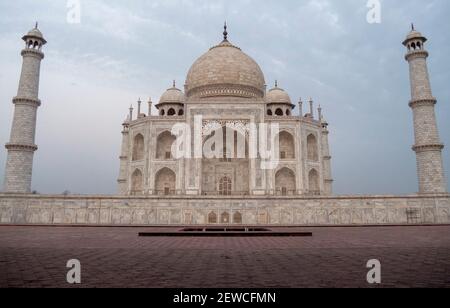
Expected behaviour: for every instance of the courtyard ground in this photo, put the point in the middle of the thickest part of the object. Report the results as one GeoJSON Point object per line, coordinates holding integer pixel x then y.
{"type": "Point", "coordinates": [416, 256]}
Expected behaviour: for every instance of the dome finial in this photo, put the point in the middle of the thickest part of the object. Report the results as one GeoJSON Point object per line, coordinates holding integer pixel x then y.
{"type": "Point", "coordinates": [412, 27]}
{"type": "Point", "coordinates": [174, 83]}
{"type": "Point", "coordinates": [225, 32]}
{"type": "Point", "coordinates": [276, 83]}
{"type": "Point", "coordinates": [36, 26]}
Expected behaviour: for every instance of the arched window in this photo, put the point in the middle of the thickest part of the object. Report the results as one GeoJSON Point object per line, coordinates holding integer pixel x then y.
{"type": "Point", "coordinates": [164, 146]}
{"type": "Point", "coordinates": [285, 182]}
{"type": "Point", "coordinates": [162, 112]}
{"type": "Point", "coordinates": [237, 218]}
{"type": "Point", "coordinates": [269, 112]}
{"type": "Point", "coordinates": [263, 218]}
{"type": "Point", "coordinates": [225, 186]}
{"type": "Point", "coordinates": [288, 112]}
{"type": "Point", "coordinates": [225, 218]}
{"type": "Point", "coordinates": [313, 180]}
{"type": "Point", "coordinates": [287, 146]}
{"type": "Point", "coordinates": [188, 218]}
{"type": "Point", "coordinates": [312, 148]}
{"type": "Point", "coordinates": [171, 112]}
{"type": "Point", "coordinates": [137, 182]}
{"type": "Point", "coordinates": [165, 182]}
{"type": "Point", "coordinates": [212, 218]}
{"type": "Point", "coordinates": [413, 45]}
{"type": "Point", "coordinates": [279, 112]}
{"type": "Point", "coordinates": [138, 148]}
{"type": "Point", "coordinates": [181, 112]}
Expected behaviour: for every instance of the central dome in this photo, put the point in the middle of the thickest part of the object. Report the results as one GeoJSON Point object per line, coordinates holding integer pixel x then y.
{"type": "Point", "coordinates": [225, 71]}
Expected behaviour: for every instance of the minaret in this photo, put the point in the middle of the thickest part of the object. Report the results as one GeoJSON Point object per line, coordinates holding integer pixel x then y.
{"type": "Point", "coordinates": [328, 177]}
{"type": "Point", "coordinates": [428, 146]}
{"type": "Point", "coordinates": [150, 104]}
{"type": "Point", "coordinates": [300, 108]}
{"type": "Point", "coordinates": [139, 102]}
{"type": "Point", "coordinates": [21, 147]}
{"type": "Point", "coordinates": [123, 172]}
{"type": "Point", "coordinates": [311, 108]}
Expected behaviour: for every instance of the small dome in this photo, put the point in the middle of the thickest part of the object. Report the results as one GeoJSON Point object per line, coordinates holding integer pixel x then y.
{"type": "Point", "coordinates": [413, 35]}
{"type": "Point", "coordinates": [36, 34]}
{"type": "Point", "coordinates": [278, 96]}
{"type": "Point", "coordinates": [172, 96]}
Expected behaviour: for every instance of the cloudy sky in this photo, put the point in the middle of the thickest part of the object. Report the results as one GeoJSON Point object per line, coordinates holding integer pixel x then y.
{"type": "Point", "coordinates": [123, 50]}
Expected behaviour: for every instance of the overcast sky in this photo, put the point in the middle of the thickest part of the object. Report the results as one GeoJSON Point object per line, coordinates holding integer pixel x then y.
{"type": "Point", "coordinates": [325, 49]}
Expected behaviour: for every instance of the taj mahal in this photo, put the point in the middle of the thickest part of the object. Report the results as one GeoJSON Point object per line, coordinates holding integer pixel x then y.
{"type": "Point", "coordinates": [224, 94]}
{"type": "Point", "coordinates": [227, 88]}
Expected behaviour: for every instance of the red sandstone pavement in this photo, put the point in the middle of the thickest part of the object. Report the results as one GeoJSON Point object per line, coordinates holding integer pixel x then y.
{"type": "Point", "coordinates": [116, 257]}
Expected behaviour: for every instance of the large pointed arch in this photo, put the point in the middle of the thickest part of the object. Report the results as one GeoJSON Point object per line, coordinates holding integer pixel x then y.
{"type": "Point", "coordinates": [137, 182]}
{"type": "Point", "coordinates": [164, 145]}
{"type": "Point", "coordinates": [312, 147]}
{"type": "Point", "coordinates": [138, 147]}
{"type": "Point", "coordinates": [313, 182]}
{"type": "Point", "coordinates": [165, 182]}
{"type": "Point", "coordinates": [285, 182]}
{"type": "Point", "coordinates": [286, 145]}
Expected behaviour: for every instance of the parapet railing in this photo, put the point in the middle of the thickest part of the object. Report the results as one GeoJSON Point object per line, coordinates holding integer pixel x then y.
{"type": "Point", "coordinates": [179, 192]}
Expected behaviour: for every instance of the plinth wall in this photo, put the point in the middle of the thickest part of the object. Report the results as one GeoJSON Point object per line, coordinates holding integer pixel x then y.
{"type": "Point", "coordinates": [182, 210]}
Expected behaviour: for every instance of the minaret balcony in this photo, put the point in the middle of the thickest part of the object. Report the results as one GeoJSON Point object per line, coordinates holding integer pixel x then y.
{"type": "Point", "coordinates": [422, 102]}
{"type": "Point", "coordinates": [21, 147]}
{"type": "Point", "coordinates": [428, 147]}
{"type": "Point", "coordinates": [414, 54]}
{"type": "Point", "coordinates": [26, 101]}
{"type": "Point", "coordinates": [33, 53]}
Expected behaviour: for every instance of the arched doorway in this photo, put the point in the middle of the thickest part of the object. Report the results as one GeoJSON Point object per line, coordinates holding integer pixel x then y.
{"type": "Point", "coordinates": [225, 218]}
{"type": "Point", "coordinates": [237, 218]}
{"type": "Point", "coordinates": [137, 183]}
{"type": "Point", "coordinates": [165, 182]}
{"type": "Point", "coordinates": [285, 182]}
{"type": "Point", "coordinates": [225, 186]}
{"type": "Point", "coordinates": [313, 179]}
{"type": "Point", "coordinates": [212, 218]}
{"type": "Point", "coordinates": [226, 163]}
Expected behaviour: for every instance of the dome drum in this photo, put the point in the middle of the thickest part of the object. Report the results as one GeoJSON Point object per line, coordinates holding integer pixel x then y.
{"type": "Point", "coordinates": [290, 105]}
{"type": "Point", "coordinates": [224, 90]}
